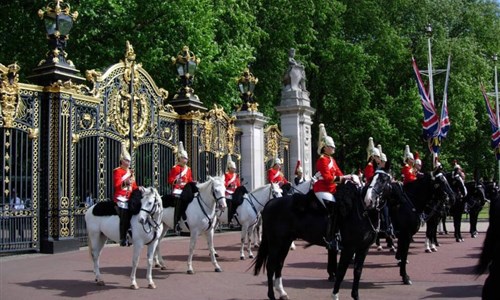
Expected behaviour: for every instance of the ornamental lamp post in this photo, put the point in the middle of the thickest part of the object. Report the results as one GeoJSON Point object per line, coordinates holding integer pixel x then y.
{"type": "Point", "coordinates": [58, 23]}
{"type": "Point", "coordinates": [246, 86]}
{"type": "Point", "coordinates": [186, 63]}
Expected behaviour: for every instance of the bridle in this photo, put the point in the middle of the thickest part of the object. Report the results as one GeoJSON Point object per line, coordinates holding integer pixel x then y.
{"type": "Point", "coordinates": [154, 216]}
{"type": "Point", "coordinates": [202, 203]}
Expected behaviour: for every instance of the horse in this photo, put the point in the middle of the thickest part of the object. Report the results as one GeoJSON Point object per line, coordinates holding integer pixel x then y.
{"type": "Point", "coordinates": [408, 206]}
{"type": "Point", "coordinates": [303, 216]}
{"type": "Point", "coordinates": [248, 207]}
{"type": "Point", "coordinates": [103, 223]}
{"type": "Point", "coordinates": [475, 204]}
{"type": "Point", "coordinates": [490, 254]}
{"type": "Point", "coordinates": [304, 187]}
{"type": "Point", "coordinates": [457, 208]}
{"type": "Point", "coordinates": [200, 218]}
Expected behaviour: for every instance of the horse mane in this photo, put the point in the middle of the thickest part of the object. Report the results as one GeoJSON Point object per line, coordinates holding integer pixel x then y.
{"type": "Point", "coordinates": [492, 240]}
{"type": "Point", "coordinates": [346, 196]}
{"type": "Point", "coordinates": [188, 192]}
{"type": "Point", "coordinates": [238, 195]}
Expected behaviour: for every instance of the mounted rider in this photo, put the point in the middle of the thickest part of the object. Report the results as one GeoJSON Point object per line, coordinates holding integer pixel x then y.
{"type": "Point", "coordinates": [418, 166]}
{"type": "Point", "coordinates": [178, 177]}
{"type": "Point", "coordinates": [124, 183]}
{"type": "Point", "coordinates": [373, 161]}
{"type": "Point", "coordinates": [299, 176]}
{"type": "Point", "coordinates": [231, 182]}
{"type": "Point", "coordinates": [274, 175]}
{"type": "Point", "coordinates": [328, 175]}
{"type": "Point", "coordinates": [408, 172]}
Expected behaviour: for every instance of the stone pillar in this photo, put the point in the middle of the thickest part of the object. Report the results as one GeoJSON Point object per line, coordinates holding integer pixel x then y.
{"type": "Point", "coordinates": [296, 113]}
{"type": "Point", "coordinates": [252, 125]}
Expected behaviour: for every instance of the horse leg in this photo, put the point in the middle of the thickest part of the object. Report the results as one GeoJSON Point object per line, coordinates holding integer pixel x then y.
{"type": "Point", "coordinates": [135, 261]}
{"type": "Point", "coordinates": [192, 245]}
{"type": "Point", "coordinates": [403, 247]}
{"type": "Point", "coordinates": [427, 238]}
{"type": "Point", "coordinates": [473, 216]}
{"type": "Point", "coordinates": [249, 237]}
{"type": "Point", "coordinates": [433, 232]}
{"type": "Point", "coordinates": [210, 243]}
{"type": "Point", "coordinates": [359, 261]}
{"type": "Point", "coordinates": [151, 254]}
{"type": "Point", "coordinates": [96, 244]}
{"type": "Point", "coordinates": [345, 259]}
{"type": "Point", "coordinates": [278, 283]}
{"type": "Point", "coordinates": [332, 265]}
{"type": "Point", "coordinates": [158, 259]}
{"type": "Point", "coordinates": [457, 223]}
{"type": "Point", "coordinates": [243, 239]}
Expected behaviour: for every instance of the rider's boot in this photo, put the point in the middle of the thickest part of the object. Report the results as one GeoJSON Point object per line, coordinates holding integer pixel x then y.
{"type": "Point", "coordinates": [332, 238]}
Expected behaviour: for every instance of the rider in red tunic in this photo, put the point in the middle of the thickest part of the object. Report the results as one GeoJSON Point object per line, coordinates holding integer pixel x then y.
{"type": "Point", "coordinates": [178, 177]}
{"type": "Point", "coordinates": [274, 174]}
{"type": "Point", "coordinates": [408, 171]}
{"type": "Point", "coordinates": [328, 175]}
{"type": "Point", "coordinates": [124, 183]}
{"type": "Point", "coordinates": [232, 182]}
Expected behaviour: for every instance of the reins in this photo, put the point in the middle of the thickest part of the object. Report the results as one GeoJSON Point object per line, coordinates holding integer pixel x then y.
{"type": "Point", "coordinates": [153, 224]}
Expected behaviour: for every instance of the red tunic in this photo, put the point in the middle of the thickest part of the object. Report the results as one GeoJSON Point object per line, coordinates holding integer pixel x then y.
{"type": "Point", "coordinates": [408, 173]}
{"type": "Point", "coordinates": [275, 176]}
{"type": "Point", "coordinates": [122, 189]}
{"type": "Point", "coordinates": [231, 181]}
{"type": "Point", "coordinates": [369, 172]}
{"type": "Point", "coordinates": [327, 166]}
{"type": "Point", "coordinates": [178, 177]}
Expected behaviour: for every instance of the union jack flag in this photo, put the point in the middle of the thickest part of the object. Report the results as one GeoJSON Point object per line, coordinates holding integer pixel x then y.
{"type": "Point", "coordinates": [430, 125]}
{"type": "Point", "coordinates": [495, 136]}
{"type": "Point", "coordinates": [444, 124]}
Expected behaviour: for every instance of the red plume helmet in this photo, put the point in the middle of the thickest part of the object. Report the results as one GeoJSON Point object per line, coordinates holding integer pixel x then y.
{"type": "Point", "coordinates": [298, 167]}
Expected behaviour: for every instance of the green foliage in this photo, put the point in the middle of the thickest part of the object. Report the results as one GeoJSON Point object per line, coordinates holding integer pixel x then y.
{"type": "Point", "coordinates": [357, 56]}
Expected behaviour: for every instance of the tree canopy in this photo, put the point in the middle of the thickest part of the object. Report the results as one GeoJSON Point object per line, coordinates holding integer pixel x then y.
{"type": "Point", "coordinates": [357, 56]}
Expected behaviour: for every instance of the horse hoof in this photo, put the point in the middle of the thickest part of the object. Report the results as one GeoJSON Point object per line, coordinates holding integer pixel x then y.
{"type": "Point", "coordinates": [163, 268]}
{"type": "Point", "coordinates": [428, 250]}
{"type": "Point", "coordinates": [284, 297]}
{"type": "Point", "coordinates": [152, 286]}
{"type": "Point", "coordinates": [379, 248]}
{"type": "Point", "coordinates": [134, 287]}
{"type": "Point", "coordinates": [335, 296]}
{"type": "Point", "coordinates": [190, 272]}
{"type": "Point", "coordinates": [392, 249]}
{"type": "Point", "coordinates": [434, 249]}
{"type": "Point", "coordinates": [100, 283]}
{"type": "Point", "coordinates": [242, 258]}
{"type": "Point", "coordinates": [218, 270]}
{"type": "Point", "coordinates": [250, 256]}
{"type": "Point", "coordinates": [407, 281]}
{"type": "Point", "coordinates": [331, 278]}
{"type": "Point", "coordinates": [216, 255]}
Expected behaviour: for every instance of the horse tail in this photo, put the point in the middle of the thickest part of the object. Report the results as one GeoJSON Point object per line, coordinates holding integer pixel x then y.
{"type": "Point", "coordinates": [262, 255]}
{"type": "Point", "coordinates": [490, 241]}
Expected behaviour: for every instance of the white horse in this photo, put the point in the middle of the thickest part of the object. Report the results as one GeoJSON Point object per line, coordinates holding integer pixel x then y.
{"type": "Point", "coordinates": [146, 230]}
{"type": "Point", "coordinates": [247, 214]}
{"type": "Point", "coordinates": [304, 187]}
{"type": "Point", "coordinates": [201, 218]}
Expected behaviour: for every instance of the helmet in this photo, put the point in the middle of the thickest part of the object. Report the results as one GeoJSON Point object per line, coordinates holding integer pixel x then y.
{"type": "Point", "coordinates": [376, 152]}
{"type": "Point", "coordinates": [383, 157]}
{"type": "Point", "coordinates": [417, 159]}
{"type": "Point", "coordinates": [277, 161]}
{"type": "Point", "coordinates": [298, 168]}
{"type": "Point", "coordinates": [324, 139]}
{"type": "Point", "coordinates": [181, 153]}
{"type": "Point", "coordinates": [407, 154]}
{"type": "Point", "coordinates": [230, 162]}
{"type": "Point", "coordinates": [125, 155]}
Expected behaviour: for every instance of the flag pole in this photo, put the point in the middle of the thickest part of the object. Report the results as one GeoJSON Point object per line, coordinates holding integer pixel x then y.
{"type": "Point", "coordinates": [495, 58]}
{"type": "Point", "coordinates": [431, 84]}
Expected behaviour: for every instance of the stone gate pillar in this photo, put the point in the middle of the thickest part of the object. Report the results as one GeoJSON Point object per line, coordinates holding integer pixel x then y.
{"type": "Point", "coordinates": [252, 171]}
{"type": "Point", "coordinates": [296, 112]}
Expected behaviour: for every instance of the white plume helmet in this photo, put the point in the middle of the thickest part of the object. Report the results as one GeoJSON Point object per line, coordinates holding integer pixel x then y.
{"type": "Point", "coordinates": [277, 161]}
{"type": "Point", "coordinates": [407, 153]}
{"type": "Point", "coordinates": [124, 154]}
{"type": "Point", "coordinates": [324, 139]}
{"type": "Point", "coordinates": [369, 149]}
{"type": "Point", "coordinates": [230, 162]}
{"type": "Point", "coordinates": [383, 157]}
{"type": "Point", "coordinates": [181, 153]}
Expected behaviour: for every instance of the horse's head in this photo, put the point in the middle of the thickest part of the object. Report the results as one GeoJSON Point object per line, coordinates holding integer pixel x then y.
{"type": "Point", "coordinates": [378, 188]}
{"type": "Point", "coordinates": [491, 190]}
{"type": "Point", "coordinates": [441, 188]}
{"type": "Point", "coordinates": [218, 190]}
{"type": "Point", "coordinates": [151, 206]}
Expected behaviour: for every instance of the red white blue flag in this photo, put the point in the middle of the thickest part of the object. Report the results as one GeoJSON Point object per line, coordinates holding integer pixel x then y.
{"type": "Point", "coordinates": [444, 124]}
{"type": "Point", "coordinates": [495, 136]}
{"type": "Point", "coordinates": [430, 125]}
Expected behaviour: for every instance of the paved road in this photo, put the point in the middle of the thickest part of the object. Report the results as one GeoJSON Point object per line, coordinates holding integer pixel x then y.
{"type": "Point", "coordinates": [445, 274]}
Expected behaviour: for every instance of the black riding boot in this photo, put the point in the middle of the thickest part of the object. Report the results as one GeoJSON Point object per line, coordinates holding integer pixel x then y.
{"type": "Point", "coordinates": [177, 215]}
{"type": "Point", "coordinates": [332, 238]}
{"type": "Point", "coordinates": [124, 225]}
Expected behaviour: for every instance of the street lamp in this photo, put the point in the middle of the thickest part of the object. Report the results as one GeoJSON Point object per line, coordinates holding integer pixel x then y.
{"type": "Point", "coordinates": [186, 64]}
{"type": "Point", "coordinates": [58, 23]}
{"type": "Point", "coordinates": [246, 85]}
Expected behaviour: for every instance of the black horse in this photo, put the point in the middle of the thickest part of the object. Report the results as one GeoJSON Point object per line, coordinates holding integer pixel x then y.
{"type": "Point", "coordinates": [410, 204]}
{"type": "Point", "coordinates": [475, 203]}
{"type": "Point", "coordinates": [490, 255]}
{"type": "Point", "coordinates": [456, 208]}
{"type": "Point", "coordinates": [304, 217]}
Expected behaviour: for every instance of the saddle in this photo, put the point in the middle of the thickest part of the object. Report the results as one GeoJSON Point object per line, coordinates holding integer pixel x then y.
{"type": "Point", "coordinates": [104, 208]}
